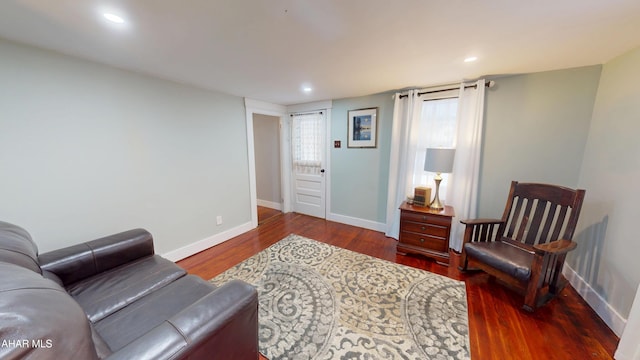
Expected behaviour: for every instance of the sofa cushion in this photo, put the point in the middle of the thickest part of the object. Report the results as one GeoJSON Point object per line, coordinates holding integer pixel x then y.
{"type": "Point", "coordinates": [502, 256]}
{"type": "Point", "coordinates": [39, 320]}
{"type": "Point", "coordinates": [143, 315]}
{"type": "Point", "coordinates": [77, 262]}
{"type": "Point", "coordinates": [102, 349]}
{"type": "Point", "coordinates": [110, 291]}
{"type": "Point", "coordinates": [17, 247]}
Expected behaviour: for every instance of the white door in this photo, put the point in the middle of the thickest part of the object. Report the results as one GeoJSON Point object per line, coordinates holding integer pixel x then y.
{"type": "Point", "coordinates": [308, 159]}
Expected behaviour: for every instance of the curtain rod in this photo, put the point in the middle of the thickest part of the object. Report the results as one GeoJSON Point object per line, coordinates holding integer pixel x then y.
{"type": "Point", "coordinates": [306, 113]}
{"type": "Point", "coordinates": [487, 84]}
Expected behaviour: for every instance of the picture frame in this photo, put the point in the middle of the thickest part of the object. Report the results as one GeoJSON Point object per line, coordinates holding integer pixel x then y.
{"type": "Point", "coordinates": [362, 128]}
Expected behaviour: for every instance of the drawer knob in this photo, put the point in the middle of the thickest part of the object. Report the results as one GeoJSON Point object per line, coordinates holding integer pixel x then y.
{"type": "Point", "coordinates": [424, 228]}
{"type": "Point", "coordinates": [421, 240]}
{"type": "Point", "coordinates": [424, 217]}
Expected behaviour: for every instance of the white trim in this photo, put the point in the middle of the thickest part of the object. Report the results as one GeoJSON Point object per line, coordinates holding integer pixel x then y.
{"type": "Point", "coordinates": [270, 204]}
{"type": "Point", "coordinates": [353, 221]}
{"type": "Point", "coordinates": [312, 106]}
{"type": "Point", "coordinates": [628, 348]}
{"type": "Point", "coordinates": [204, 244]}
{"type": "Point", "coordinates": [604, 310]}
{"type": "Point", "coordinates": [253, 192]}
{"type": "Point", "coordinates": [327, 165]}
{"type": "Point", "coordinates": [260, 107]}
{"type": "Point", "coordinates": [285, 164]}
{"type": "Point", "coordinates": [265, 108]}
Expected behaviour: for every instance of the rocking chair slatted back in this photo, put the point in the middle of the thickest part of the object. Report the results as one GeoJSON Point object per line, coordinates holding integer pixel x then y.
{"type": "Point", "coordinates": [535, 210]}
{"type": "Point", "coordinates": [527, 247]}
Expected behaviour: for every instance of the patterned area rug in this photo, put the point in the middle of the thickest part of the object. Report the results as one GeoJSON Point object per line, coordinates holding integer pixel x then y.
{"type": "Point", "coordinates": [319, 301]}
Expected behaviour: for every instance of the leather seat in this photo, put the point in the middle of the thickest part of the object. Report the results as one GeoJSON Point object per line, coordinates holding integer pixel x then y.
{"type": "Point", "coordinates": [502, 256]}
{"type": "Point", "coordinates": [108, 292]}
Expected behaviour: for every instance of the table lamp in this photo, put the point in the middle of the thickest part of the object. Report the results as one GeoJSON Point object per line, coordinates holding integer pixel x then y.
{"type": "Point", "coordinates": [438, 161]}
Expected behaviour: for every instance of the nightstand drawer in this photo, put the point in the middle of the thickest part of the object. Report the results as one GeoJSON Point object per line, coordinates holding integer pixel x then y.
{"type": "Point", "coordinates": [425, 231]}
{"type": "Point", "coordinates": [424, 228]}
{"type": "Point", "coordinates": [424, 241]}
{"type": "Point", "coordinates": [431, 219]}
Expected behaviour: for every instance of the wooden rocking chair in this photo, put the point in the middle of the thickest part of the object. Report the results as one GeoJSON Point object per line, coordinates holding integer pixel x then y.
{"type": "Point", "coordinates": [526, 249]}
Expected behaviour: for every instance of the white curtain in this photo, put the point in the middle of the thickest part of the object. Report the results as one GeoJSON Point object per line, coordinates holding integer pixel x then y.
{"type": "Point", "coordinates": [307, 142]}
{"type": "Point", "coordinates": [404, 142]}
{"type": "Point", "coordinates": [464, 181]}
{"type": "Point", "coordinates": [628, 347]}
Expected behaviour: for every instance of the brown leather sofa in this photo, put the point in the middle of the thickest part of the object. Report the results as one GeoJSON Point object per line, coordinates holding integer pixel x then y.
{"type": "Point", "coordinates": [113, 298]}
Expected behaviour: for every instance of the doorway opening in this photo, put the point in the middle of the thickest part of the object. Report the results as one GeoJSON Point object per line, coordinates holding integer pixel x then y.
{"type": "Point", "coordinates": [268, 169]}
{"type": "Point", "coordinates": [287, 187]}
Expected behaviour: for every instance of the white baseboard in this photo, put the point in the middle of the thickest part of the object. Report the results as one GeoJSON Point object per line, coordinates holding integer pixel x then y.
{"type": "Point", "coordinates": [196, 247]}
{"type": "Point", "coordinates": [605, 311]}
{"type": "Point", "coordinates": [270, 204]}
{"type": "Point", "coordinates": [367, 224]}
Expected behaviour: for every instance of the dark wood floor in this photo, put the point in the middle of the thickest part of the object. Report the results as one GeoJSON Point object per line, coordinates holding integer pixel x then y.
{"type": "Point", "coordinates": [566, 328]}
{"type": "Point", "coordinates": [266, 214]}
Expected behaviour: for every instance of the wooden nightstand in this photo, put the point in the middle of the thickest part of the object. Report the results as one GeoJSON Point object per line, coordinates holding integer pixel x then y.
{"type": "Point", "coordinates": [426, 232]}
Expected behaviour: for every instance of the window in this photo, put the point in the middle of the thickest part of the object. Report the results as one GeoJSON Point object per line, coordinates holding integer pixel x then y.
{"type": "Point", "coordinates": [307, 142]}
{"type": "Point", "coordinates": [437, 128]}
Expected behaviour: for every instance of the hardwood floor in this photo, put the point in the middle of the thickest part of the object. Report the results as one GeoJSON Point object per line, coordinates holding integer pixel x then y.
{"type": "Point", "coordinates": [566, 328]}
{"type": "Point", "coordinates": [266, 214]}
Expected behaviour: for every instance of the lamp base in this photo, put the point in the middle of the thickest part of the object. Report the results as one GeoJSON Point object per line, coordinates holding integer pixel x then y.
{"type": "Point", "coordinates": [436, 204]}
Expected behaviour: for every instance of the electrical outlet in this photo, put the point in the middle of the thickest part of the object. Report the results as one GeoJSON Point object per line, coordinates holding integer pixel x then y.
{"type": "Point", "coordinates": [219, 220]}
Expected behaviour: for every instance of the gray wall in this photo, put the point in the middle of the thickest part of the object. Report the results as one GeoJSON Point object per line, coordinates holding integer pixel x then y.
{"type": "Point", "coordinates": [536, 127]}
{"type": "Point", "coordinates": [360, 177]}
{"type": "Point", "coordinates": [607, 235]}
{"type": "Point", "coordinates": [266, 133]}
{"type": "Point", "coordinates": [87, 150]}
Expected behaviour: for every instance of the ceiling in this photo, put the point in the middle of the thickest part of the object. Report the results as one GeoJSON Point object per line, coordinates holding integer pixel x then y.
{"type": "Point", "coordinates": [270, 49]}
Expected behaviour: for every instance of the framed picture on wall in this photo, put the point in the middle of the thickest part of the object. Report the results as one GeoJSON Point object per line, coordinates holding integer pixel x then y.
{"type": "Point", "coordinates": [362, 128]}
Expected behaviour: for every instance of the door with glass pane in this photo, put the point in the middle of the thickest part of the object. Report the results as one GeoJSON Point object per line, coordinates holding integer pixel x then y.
{"type": "Point", "coordinates": [308, 156]}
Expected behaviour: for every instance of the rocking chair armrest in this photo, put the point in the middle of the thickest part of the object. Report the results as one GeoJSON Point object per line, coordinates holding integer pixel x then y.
{"type": "Point", "coordinates": [474, 222]}
{"type": "Point", "coordinates": [557, 247]}
{"type": "Point", "coordinates": [479, 230]}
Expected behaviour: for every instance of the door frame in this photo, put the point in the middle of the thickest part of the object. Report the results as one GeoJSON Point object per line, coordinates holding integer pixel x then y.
{"type": "Point", "coordinates": [263, 108]}
{"type": "Point", "coordinates": [283, 112]}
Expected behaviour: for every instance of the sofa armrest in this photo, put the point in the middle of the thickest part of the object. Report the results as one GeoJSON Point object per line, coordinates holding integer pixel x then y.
{"type": "Point", "coordinates": [221, 325]}
{"type": "Point", "coordinates": [78, 262]}
{"type": "Point", "coordinates": [163, 342]}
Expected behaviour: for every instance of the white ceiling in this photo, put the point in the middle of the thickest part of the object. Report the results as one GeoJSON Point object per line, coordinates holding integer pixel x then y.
{"type": "Point", "coordinates": [269, 49]}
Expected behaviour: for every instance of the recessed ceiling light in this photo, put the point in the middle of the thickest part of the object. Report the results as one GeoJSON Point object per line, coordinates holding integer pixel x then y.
{"type": "Point", "coordinates": [113, 18]}
{"type": "Point", "coordinates": [307, 89]}
{"type": "Point", "coordinates": [471, 59]}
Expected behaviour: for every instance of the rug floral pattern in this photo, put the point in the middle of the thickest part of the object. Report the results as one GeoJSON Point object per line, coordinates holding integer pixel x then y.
{"type": "Point", "coordinates": [318, 301]}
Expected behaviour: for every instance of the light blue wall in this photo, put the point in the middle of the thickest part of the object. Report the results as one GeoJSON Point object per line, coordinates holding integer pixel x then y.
{"type": "Point", "coordinates": [536, 127]}
{"type": "Point", "coordinates": [607, 235]}
{"type": "Point", "coordinates": [359, 177]}
{"type": "Point", "coordinates": [87, 150]}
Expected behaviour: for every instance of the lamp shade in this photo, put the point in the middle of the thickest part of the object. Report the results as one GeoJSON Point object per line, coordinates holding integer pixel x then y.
{"type": "Point", "coordinates": [439, 160]}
